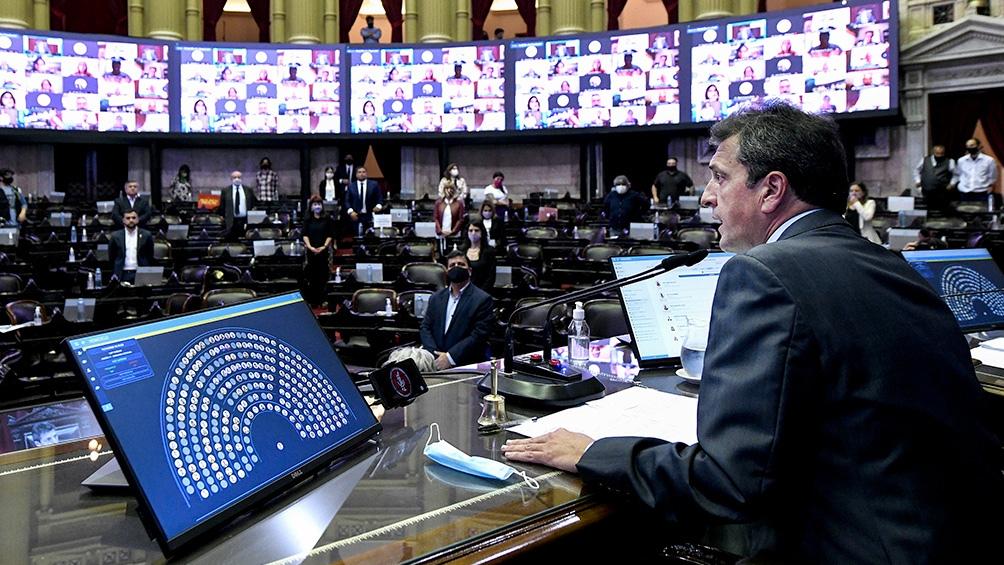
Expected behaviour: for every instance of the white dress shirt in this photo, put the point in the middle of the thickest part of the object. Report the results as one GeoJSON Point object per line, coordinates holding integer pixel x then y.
{"type": "Point", "coordinates": [131, 250]}
{"type": "Point", "coordinates": [975, 174]}
{"type": "Point", "coordinates": [488, 229]}
{"type": "Point", "coordinates": [329, 189]}
{"type": "Point", "coordinates": [447, 216]}
{"type": "Point", "coordinates": [242, 207]}
{"type": "Point", "coordinates": [451, 308]}
{"type": "Point", "coordinates": [361, 187]}
{"type": "Point", "coordinates": [780, 230]}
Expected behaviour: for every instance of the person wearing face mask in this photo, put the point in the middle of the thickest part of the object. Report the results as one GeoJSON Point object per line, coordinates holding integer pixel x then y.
{"type": "Point", "coordinates": [623, 205]}
{"type": "Point", "coordinates": [235, 201]}
{"type": "Point", "coordinates": [346, 172]}
{"type": "Point", "coordinates": [363, 198]}
{"type": "Point", "coordinates": [975, 173]}
{"type": "Point", "coordinates": [330, 190]}
{"type": "Point", "coordinates": [670, 184]}
{"type": "Point", "coordinates": [933, 176]}
{"type": "Point", "coordinates": [480, 256]}
{"type": "Point", "coordinates": [449, 213]}
{"type": "Point", "coordinates": [268, 181]}
{"type": "Point", "coordinates": [181, 186]}
{"type": "Point", "coordinates": [451, 177]}
{"type": "Point", "coordinates": [13, 208]}
{"type": "Point", "coordinates": [131, 199]}
{"type": "Point", "coordinates": [497, 190]}
{"type": "Point", "coordinates": [459, 319]}
{"type": "Point", "coordinates": [494, 225]}
{"type": "Point", "coordinates": [319, 240]}
{"type": "Point", "coordinates": [860, 211]}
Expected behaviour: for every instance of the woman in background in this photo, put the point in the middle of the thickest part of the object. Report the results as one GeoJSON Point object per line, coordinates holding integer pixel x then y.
{"type": "Point", "coordinates": [451, 177]}
{"type": "Point", "coordinates": [862, 209]}
{"type": "Point", "coordinates": [449, 212]}
{"type": "Point", "coordinates": [318, 239]}
{"type": "Point", "coordinates": [494, 225]}
{"type": "Point", "coordinates": [181, 186]}
{"type": "Point", "coordinates": [480, 257]}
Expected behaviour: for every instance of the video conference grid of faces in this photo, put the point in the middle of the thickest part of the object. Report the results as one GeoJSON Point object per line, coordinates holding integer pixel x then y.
{"type": "Point", "coordinates": [250, 90]}
{"type": "Point", "coordinates": [827, 61]}
{"type": "Point", "coordinates": [625, 80]}
{"type": "Point", "coordinates": [76, 84]}
{"type": "Point", "coordinates": [444, 89]}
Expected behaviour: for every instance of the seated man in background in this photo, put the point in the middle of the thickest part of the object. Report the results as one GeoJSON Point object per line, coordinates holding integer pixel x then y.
{"type": "Point", "coordinates": [830, 429]}
{"type": "Point", "coordinates": [129, 248]}
{"type": "Point", "coordinates": [460, 318]}
{"type": "Point", "coordinates": [132, 200]}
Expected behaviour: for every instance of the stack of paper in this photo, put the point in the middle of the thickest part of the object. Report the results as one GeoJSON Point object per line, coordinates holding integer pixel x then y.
{"type": "Point", "coordinates": [635, 411]}
{"type": "Point", "coordinates": [990, 352]}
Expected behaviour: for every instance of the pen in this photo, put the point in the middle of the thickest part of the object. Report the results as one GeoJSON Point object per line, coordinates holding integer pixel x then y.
{"type": "Point", "coordinates": [492, 428]}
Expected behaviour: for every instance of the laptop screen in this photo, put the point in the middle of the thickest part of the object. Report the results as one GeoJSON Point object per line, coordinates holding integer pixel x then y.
{"type": "Point", "coordinates": [968, 280]}
{"type": "Point", "coordinates": [212, 411]}
{"type": "Point", "coordinates": [658, 309]}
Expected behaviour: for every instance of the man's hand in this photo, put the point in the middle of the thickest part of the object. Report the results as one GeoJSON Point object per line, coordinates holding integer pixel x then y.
{"type": "Point", "coordinates": [442, 361]}
{"type": "Point", "coordinates": [377, 208]}
{"type": "Point", "coordinates": [560, 449]}
{"type": "Point", "coordinates": [354, 216]}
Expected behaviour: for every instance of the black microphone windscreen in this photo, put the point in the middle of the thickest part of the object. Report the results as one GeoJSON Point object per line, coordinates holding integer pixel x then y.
{"type": "Point", "coordinates": [684, 259]}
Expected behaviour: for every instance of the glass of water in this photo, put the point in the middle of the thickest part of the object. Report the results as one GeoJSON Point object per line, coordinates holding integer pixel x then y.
{"type": "Point", "coordinates": [694, 345]}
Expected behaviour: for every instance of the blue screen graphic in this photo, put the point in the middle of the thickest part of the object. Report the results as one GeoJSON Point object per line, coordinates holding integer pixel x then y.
{"type": "Point", "coordinates": [968, 280]}
{"type": "Point", "coordinates": [212, 407]}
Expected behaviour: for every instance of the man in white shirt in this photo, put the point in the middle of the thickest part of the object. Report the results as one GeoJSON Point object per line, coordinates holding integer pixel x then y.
{"type": "Point", "coordinates": [130, 248]}
{"type": "Point", "coordinates": [975, 173]}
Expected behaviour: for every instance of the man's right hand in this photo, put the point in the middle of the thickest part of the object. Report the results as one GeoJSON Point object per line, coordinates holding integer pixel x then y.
{"type": "Point", "coordinates": [354, 216]}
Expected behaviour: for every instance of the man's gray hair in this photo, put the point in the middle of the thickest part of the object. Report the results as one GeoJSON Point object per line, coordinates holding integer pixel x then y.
{"type": "Point", "coordinates": [425, 360]}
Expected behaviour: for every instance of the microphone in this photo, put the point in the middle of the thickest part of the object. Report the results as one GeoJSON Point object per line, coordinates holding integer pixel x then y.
{"type": "Point", "coordinates": [567, 375]}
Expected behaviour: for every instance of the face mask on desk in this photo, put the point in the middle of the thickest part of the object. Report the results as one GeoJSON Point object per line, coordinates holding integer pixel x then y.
{"type": "Point", "coordinates": [445, 454]}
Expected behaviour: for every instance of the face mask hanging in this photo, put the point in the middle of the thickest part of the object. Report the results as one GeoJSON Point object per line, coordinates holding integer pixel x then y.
{"type": "Point", "coordinates": [445, 454]}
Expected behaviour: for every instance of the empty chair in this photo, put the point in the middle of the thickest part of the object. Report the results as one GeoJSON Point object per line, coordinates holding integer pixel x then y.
{"type": "Point", "coordinates": [422, 249]}
{"type": "Point", "coordinates": [425, 275]}
{"type": "Point", "coordinates": [594, 234]}
{"type": "Point", "coordinates": [231, 249]}
{"type": "Point", "coordinates": [22, 311]}
{"type": "Point", "coordinates": [225, 296]}
{"type": "Point", "coordinates": [208, 219]}
{"type": "Point", "coordinates": [382, 233]}
{"type": "Point", "coordinates": [406, 301]}
{"type": "Point", "coordinates": [180, 302]}
{"type": "Point", "coordinates": [372, 300]}
{"type": "Point", "coordinates": [540, 232]}
{"type": "Point", "coordinates": [531, 252]}
{"type": "Point", "coordinates": [221, 275]}
{"type": "Point", "coordinates": [171, 219]}
{"type": "Point", "coordinates": [600, 252]}
{"type": "Point", "coordinates": [528, 326]}
{"type": "Point", "coordinates": [971, 207]}
{"type": "Point", "coordinates": [945, 224]}
{"type": "Point", "coordinates": [161, 250]}
{"type": "Point", "coordinates": [650, 250]}
{"type": "Point", "coordinates": [263, 233]}
{"type": "Point", "coordinates": [606, 318]}
{"type": "Point", "coordinates": [193, 273]}
{"type": "Point", "coordinates": [10, 283]}
{"type": "Point", "coordinates": [705, 238]}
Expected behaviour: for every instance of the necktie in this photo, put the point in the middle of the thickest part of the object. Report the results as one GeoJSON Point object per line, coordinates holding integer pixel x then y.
{"type": "Point", "coordinates": [237, 200]}
{"type": "Point", "coordinates": [362, 192]}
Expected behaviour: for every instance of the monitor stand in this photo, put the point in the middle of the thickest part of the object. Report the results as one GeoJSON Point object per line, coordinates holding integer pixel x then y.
{"type": "Point", "coordinates": [108, 477]}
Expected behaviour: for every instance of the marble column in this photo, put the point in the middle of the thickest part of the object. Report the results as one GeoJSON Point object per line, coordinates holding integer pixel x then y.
{"type": "Point", "coordinates": [543, 18]}
{"type": "Point", "coordinates": [302, 23]}
{"type": "Point", "coordinates": [277, 28]}
{"type": "Point", "coordinates": [164, 19]}
{"type": "Point", "coordinates": [597, 15]}
{"type": "Point", "coordinates": [686, 10]}
{"type": "Point", "coordinates": [568, 17]}
{"type": "Point", "coordinates": [436, 21]}
{"type": "Point", "coordinates": [464, 29]}
{"type": "Point", "coordinates": [40, 14]}
{"type": "Point", "coordinates": [135, 17]}
{"type": "Point", "coordinates": [709, 9]}
{"type": "Point", "coordinates": [193, 20]}
{"type": "Point", "coordinates": [331, 21]}
{"type": "Point", "coordinates": [16, 14]}
{"type": "Point", "coordinates": [410, 16]}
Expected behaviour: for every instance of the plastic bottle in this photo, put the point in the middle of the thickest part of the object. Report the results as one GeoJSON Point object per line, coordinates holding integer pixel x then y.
{"type": "Point", "coordinates": [73, 256]}
{"type": "Point", "coordinates": [655, 231]}
{"type": "Point", "coordinates": [90, 281]}
{"type": "Point", "coordinates": [575, 232]}
{"type": "Point", "coordinates": [83, 234]}
{"type": "Point", "coordinates": [360, 229]}
{"type": "Point", "coordinates": [338, 275]}
{"type": "Point", "coordinates": [388, 310]}
{"type": "Point", "coordinates": [73, 235]}
{"type": "Point", "coordinates": [990, 202]}
{"type": "Point", "coordinates": [369, 273]}
{"type": "Point", "coordinates": [97, 277]}
{"type": "Point", "coordinates": [578, 335]}
{"type": "Point", "coordinates": [80, 309]}
{"type": "Point", "coordinates": [38, 316]}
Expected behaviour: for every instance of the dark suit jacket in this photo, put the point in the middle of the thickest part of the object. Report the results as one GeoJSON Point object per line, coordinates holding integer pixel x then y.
{"type": "Point", "coordinates": [497, 233]}
{"type": "Point", "coordinates": [142, 207]}
{"type": "Point", "coordinates": [353, 199]}
{"type": "Point", "coordinates": [341, 174]}
{"type": "Point", "coordinates": [839, 417]}
{"type": "Point", "coordinates": [117, 253]}
{"type": "Point", "coordinates": [227, 204]}
{"type": "Point", "coordinates": [470, 328]}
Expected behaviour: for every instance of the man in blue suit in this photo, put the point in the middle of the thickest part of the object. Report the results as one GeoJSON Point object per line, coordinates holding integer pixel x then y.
{"type": "Point", "coordinates": [362, 199]}
{"type": "Point", "coordinates": [459, 319]}
{"type": "Point", "coordinates": [840, 419]}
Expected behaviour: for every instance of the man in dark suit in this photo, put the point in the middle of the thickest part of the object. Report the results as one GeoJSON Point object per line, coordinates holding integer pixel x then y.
{"type": "Point", "coordinates": [362, 199]}
{"type": "Point", "coordinates": [235, 201]}
{"type": "Point", "coordinates": [129, 248]}
{"type": "Point", "coordinates": [344, 175]}
{"type": "Point", "coordinates": [459, 319]}
{"type": "Point", "coordinates": [839, 420]}
{"type": "Point", "coordinates": [131, 200]}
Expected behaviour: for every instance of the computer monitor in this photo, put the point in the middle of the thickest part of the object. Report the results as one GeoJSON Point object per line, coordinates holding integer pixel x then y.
{"type": "Point", "coordinates": [79, 309]}
{"type": "Point", "coordinates": [149, 276]}
{"type": "Point", "coordinates": [212, 412]}
{"type": "Point", "coordinates": [968, 280]}
{"type": "Point", "coordinates": [177, 232]}
{"type": "Point", "coordinates": [263, 247]}
{"type": "Point", "coordinates": [659, 309]}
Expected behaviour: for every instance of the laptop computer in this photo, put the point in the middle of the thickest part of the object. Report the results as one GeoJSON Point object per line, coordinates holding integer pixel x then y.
{"type": "Point", "coordinates": [61, 219]}
{"type": "Point", "coordinates": [369, 272]}
{"type": "Point", "coordinates": [425, 229]}
{"type": "Point", "coordinates": [503, 275]}
{"type": "Point", "coordinates": [149, 276]}
{"type": "Point", "coordinates": [139, 379]}
{"type": "Point", "coordinates": [177, 232]}
{"type": "Point", "coordinates": [690, 202]}
{"type": "Point", "coordinates": [79, 309]}
{"type": "Point", "coordinates": [101, 252]}
{"type": "Point", "coordinates": [897, 203]}
{"type": "Point", "coordinates": [105, 206]}
{"type": "Point", "coordinates": [641, 231]}
{"type": "Point", "coordinates": [263, 247]}
{"type": "Point", "coordinates": [9, 237]}
{"type": "Point", "coordinates": [256, 216]}
{"type": "Point", "coordinates": [899, 237]}
{"type": "Point", "coordinates": [400, 215]}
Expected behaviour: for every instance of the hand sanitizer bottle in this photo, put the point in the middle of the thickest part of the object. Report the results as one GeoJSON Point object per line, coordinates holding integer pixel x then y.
{"type": "Point", "coordinates": [578, 335]}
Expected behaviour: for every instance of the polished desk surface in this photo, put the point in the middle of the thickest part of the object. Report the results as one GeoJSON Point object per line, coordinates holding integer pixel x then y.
{"type": "Point", "coordinates": [387, 504]}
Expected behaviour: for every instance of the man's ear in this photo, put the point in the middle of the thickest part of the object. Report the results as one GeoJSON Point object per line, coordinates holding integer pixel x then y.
{"type": "Point", "coordinates": [774, 191]}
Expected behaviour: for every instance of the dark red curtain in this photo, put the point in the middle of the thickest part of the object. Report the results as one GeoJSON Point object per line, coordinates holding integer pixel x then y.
{"type": "Point", "coordinates": [261, 13]}
{"type": "Point", "coordinates": [953, 118]}
{"type": "Point", "coordinates": [761, 5]}
{"type": "Point", "coordinates": [78, 17]}
{"type": "Point", "coordinates": [393, 10]}
{"type": "Point", "coordinates": [528, 11]}
{"type": "Point", "coordinates": [348, 11]}
{"type": "Point", "coordinates": [672, 9]}
{"type": "Point", "coordinates": [479, 13]}
{"type": "Point", "coordinates": [212, 11]}
{"type": "Point", "coordinates": [614, 9]}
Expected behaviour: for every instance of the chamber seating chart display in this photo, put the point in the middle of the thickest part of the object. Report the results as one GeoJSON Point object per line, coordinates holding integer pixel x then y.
{"type": "Point", "coordinates": [256, 90]}
{"type": "Point", "coordinates": [968, 280]}
{"type": "Point", "coordinates": [82, 84]}
{"type": "Point", "coordinates": [209, 409]}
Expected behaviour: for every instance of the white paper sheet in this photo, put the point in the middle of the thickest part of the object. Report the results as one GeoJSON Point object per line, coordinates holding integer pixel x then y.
{"type": "Point", "coordinates": [635, 411]}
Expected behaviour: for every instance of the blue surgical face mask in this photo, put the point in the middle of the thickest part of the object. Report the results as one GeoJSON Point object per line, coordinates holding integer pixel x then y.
{"type": "Point", "coordinates": [445, 454]}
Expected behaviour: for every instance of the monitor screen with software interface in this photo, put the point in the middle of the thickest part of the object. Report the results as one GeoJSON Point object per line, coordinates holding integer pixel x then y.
{"type": "Point", "coordinates": [659, 308]}
{"type": "Point", "coordinates": [968, 280]}
{"type": "Point", "coordinates": [211, 412]}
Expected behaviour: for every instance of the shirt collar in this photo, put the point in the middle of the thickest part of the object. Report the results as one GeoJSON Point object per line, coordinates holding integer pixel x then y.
{"type": "Point", "coordinates": [780, 230]}
{"type": "Point", "coordinates": [461, 293]}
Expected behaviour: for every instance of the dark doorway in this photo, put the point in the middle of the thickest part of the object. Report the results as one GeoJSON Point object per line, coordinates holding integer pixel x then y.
{"type": "Point", "coordinates": [638, 156]}
{"type": "Point", "coordinates": [89, 172]}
